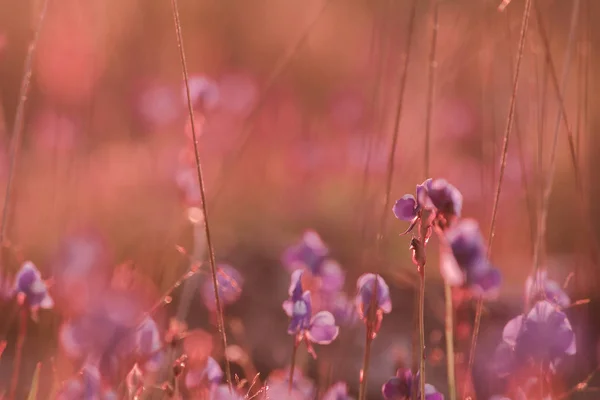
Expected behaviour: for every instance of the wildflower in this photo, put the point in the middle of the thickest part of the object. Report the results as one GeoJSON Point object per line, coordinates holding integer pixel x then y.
{"type": "Point", "coordinates": [438, 196]}
{"type": "Point", "coordinates": [86, 385]}
{"type": "Point", "coordinates": [202, 90]}
{"type": "Point", "coordinates": [310, 254]}
{"type": "Point", "coordinates": [319, 328]}
{"type": "Point", "coordinates": [466, 261]}
{"type": "Point", "coordinates": [338, 391]}
{"type": "Point", "coordinates": [545, 289]}
{"type": "Point", "coordinates": [230, 283]}
{"type": "Point", "coordinates": [277, 386]}
{"type": "Point", "coordinates": [210, 374]}
{"type": "Point", "coordinates": [400, 387]}
{"type": "Point", "coordinates": [543, 336]}
{"type": "Point", "coordinates": [30, 287]}
{"type": "Point", "coordinates": [148, 345]}
{"type": "Point", "coordinates": [366, 284]}
{"type": "Point", "coordinates": [222, 392]}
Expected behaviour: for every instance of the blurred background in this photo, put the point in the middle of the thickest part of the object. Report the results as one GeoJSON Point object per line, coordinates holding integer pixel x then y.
{"type": "Point", "coordinates": [296, 104]}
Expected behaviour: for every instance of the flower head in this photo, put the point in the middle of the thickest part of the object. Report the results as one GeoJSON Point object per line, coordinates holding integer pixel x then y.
{"type": "Point", "coordinates": [401, 386]}
{"type": "Point", "coordinates": [148, 345]}
{"type": "Point", "coordinates": [545, 289]}
{"type": "Point", "coordinates": [277, 386]}
{"type": "Point", "coordinates": [437, 196]}
{"type": "Point", "coordinates": [230, 283]}
{"type": "Point", "coordinates": [29, 285]}
{"type": "Point", "coordinates": [319, 328]}
{"type": "Point", "coordinates": [338, 391]}
{"type": "Point", "coordinates": [466, 263]}
{"type": "Point", "coordinates": [210, 374]}
{"type": "Point", "coordinates": [543, 336]}
{"type": "Point", "coordinates": [372, 290]}
{"type": "Point", "coordinates": [310, 254]}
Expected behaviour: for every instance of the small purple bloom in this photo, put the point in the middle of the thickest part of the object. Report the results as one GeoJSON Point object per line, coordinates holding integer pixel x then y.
{"type": "Point", "coordinates": [203, 91]}
{"type": "Point", "coordinates": [466, 261]}
{"type": "Point", "coordinates": [544, 335]}
{"type": "Point", "coordinates": [148, 345]}
{"type": "Point", "coordinates": [400, 387]}
{"type": "Point", "coordinates": [277, 386]}
{"type": "Point", "coordinates": [230, 287]}
{"type": "Point", "coordinates": [319, 328]}
{"type": "Point", "coordinates": [546, 289]}
{"type": "Point", "coordinates": [211, 375]}
{"type": "Point", "coordinates": [339, 391]}
{"type": "Point", "coordinates": [366, 286]}
{"type": "Point", "coordinates": [29, 283]}
{"type": "Point", "coordinates": [85, 386]}
{"type": "Point", "coordinates": [438, 196]}
{"type": "Point", "coordinates": [310, 253]}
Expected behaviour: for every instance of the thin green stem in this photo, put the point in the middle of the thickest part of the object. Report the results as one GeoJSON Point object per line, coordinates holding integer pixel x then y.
{"type": "Point", "coordinates": [362, 394]}
{"type": "Point", "coordinates": [211, 253]}
{"type": "Point", "coordinates": [449, 325]}
{"type": "Point", "coordinates": [293, 364]}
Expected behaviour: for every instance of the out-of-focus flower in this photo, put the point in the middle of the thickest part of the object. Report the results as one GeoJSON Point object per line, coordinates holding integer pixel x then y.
{"type": "Point", "coordinates": [230, 283]}
{"type": "Point", "coordinates": [543, 336]}
{"type": "Point", "coordinates": [277, 386]}
{"type": "Point", "coordinates": [338, 391]}
{"type": "Point", "coordinates": [86, 385]}
{"type": "Point", "coordinates": [319, 328]}
{"type": "Point", "coordinates": [309, 254]}
{"type": "Point", "coordinates": [544, 288]}
{"type": "Point", "coordinates": [210, 374]}
{"type": "Point", "coordinates": [148, 345]}
{"type": "Point", "coordinates": [107, 330]}
{"type": "Point", "coordinates": [342, 308]}
{"type": "Point", "coordinates": [222, 392]}
{"type": "Point", "coordinates": [186, 178]}
{"type": "Point", "coordinates": [466, 263]}
{"type": "Point", "coordinates": [238, 93]}
{"type": "Point", "coordinates": [401, 386]}
{"type": "Point", "coordinates": [203, 92]}
{"type": "Point", "coordinates": [30, 287]}
{"type": "Point", "coordinates": [369, 285]}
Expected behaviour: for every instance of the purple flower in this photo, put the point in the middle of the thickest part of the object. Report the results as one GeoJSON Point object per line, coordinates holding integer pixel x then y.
{"type": "Point", "coordinates": [437, 196]}
{"type": "Point", "coordinates": [342, 308]}
{"type": "Point", "coordinates": [466, 263]}
{"type": "Point", "coordinates": [319, 328]}
{"type": "Point", "coordinates": [209, 375]}
{"type": "Point", "coordinates": [203, 91]}
{"type": "Point", "coordinates": [366, 286]}
{"type": "Point", "coordinates": [230, 287]}
{"type": "Point", "coordinates": [148, 345]}
{"type": "Point", "coordinates": [86, 385]}
{"type": "Point", "coordinates": [546, 289]}
{"type": "Point", "coordinates": [544, 335]}
{"type": "Point", "coordinates": [277, 386]}
{"type": "Point", "coordinates": [339, 391]}
{"type": "Point", "coordinates": [30, 286]}
{"type": "Point", "coordinates": [221, 392]}
{"type": "Point", "coordinates": [310, 253]}
{"type": "Point", "coordinates": [400, 387]}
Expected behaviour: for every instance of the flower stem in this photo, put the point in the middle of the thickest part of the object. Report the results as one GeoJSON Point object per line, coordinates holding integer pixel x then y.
{"type": "Point", "coordinates": [422, 334]}
{"type": "Point", "coordinates": [19, 352]}
{"type": "Point", "coordinates": [211, 253]}
{"type": "Point", "coordinates": [362, 393]}
{"type": "Point", "coordinates": [450, 342]}
{"type": "Point", "coordinates": [293, 365]}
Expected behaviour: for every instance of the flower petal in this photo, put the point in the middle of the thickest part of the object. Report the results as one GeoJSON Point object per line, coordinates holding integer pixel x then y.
{"type": "Point", "coordinates": [295, 281]}
{"type": "Point", "coordinates": [511, 330]}
{"type": "Point", "coordinates": [405, 208]}
{"type": "Point", "coordinates": [288, 307]}
{"type": "Point", "coordinates": [332, 277]}
{"type": "Point", "coordinates": [322, 328]}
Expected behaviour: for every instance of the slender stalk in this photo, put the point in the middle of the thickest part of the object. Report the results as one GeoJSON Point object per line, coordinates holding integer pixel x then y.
{"type": "Point", "coordinates": [431, 85]}
{"type": "Point", "coordinates": [507, 131]}
{"type": "Point", "coordinates": [293, 364]}
{"type": "Point", "coordinates": [364, 376]}
{"type": "Point", "coordinates": [449, 325]}
{"type": "Point", "coordinates": [15, 140]}
{"type": "Point", "coordinates": [552, 167]}
{"type": "Point", "coordinates": [211, 253]}
{"type": "Point", "coordinates": [14, 382]}
{"type": "Point", "coordinates": [422, 334]}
